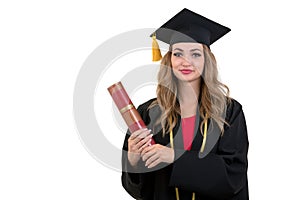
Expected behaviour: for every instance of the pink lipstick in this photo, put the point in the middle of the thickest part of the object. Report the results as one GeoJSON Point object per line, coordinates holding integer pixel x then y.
{"type": "Point", "coordinates": [186, 71]}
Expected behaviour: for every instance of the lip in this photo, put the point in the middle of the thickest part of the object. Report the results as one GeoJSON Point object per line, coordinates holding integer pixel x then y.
{"type": "Point", "coordinates": [186, 71]}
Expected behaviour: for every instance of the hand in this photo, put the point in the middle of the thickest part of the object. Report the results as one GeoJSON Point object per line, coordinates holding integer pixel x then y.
{"type": "Point", "coordinates": [155, 154]}
{"type": "Point", "coordinates": [136, 143]}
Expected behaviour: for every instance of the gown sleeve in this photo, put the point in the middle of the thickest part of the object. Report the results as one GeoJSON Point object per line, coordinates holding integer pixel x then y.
{"type": "Point", "coordinates": [136, 181]}
{"type": "Point", "coordinates": [222, 174]}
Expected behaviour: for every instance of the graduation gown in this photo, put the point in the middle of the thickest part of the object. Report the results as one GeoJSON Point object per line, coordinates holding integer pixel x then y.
{"type": "Point", "coordinates": [220, 175]}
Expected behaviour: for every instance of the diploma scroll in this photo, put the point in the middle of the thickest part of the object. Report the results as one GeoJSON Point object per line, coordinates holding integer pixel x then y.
{"type": "Point", "coordinates": [129, 113]}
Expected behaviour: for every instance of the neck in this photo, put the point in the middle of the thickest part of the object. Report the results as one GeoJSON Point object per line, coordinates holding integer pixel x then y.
{"type": "Point", "coordinates": [188, 92]}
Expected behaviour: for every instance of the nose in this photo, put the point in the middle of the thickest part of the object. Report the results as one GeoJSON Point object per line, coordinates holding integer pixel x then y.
{"type": "Point", "coordinates": [186, 62]}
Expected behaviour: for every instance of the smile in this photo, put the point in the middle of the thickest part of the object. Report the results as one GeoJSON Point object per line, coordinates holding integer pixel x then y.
{"type": "Point", "coordinates": [186, 71]}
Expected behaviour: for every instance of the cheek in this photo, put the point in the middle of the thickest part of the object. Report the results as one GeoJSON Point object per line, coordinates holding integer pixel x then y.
{"type": "Point", "coordinates": [174, 62]}
{"type": "Point", "coordinates": [200, 65]}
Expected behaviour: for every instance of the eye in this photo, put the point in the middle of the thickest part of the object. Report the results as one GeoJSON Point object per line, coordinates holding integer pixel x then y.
{"type": "Point", "coordinates": [195, 55]}
{"type": "Point", "coordinates": [177, 54]}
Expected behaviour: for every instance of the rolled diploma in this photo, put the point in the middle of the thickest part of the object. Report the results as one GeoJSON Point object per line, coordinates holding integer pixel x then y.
{"type": "Point", "coordinates": [126, 108]}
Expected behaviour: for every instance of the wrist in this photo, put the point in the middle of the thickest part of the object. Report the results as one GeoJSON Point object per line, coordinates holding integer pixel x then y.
{"type": "Point", "coordinates": [171, 155]}
{"type": "Point", "coordinates": [133, 158]}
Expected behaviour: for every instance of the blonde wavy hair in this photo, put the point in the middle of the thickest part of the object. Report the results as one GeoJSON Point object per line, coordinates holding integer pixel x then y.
{"type": "Point", "coordinates": [214, 94]}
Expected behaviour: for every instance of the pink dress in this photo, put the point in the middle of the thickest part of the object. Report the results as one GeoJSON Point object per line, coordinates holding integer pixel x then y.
{"type": "Point", "coordinates": [188, 125]}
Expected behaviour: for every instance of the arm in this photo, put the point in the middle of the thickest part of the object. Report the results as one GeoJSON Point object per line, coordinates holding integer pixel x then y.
{"type": "Point", "coordinates": [132, 182]}
{"type": "Point", "coordinates": [135, 180]}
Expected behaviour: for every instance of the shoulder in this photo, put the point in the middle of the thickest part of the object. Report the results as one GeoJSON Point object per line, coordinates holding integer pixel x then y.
{"type": "Point", "coordinates": [234, 140]}
{"type": "Point", "coordinates": [144, 106]}
{"type": "Point", "coordinates": [147, 111]}
{"type": "Point", "coordinates": [234, 109]}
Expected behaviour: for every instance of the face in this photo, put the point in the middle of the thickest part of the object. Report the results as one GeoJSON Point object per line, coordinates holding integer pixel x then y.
{"type": "Point", "coordinates": [187, 61]}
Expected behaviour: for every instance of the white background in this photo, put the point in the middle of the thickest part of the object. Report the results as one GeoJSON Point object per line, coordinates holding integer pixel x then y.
{"type": "Point", "coordinates": [44, 44]}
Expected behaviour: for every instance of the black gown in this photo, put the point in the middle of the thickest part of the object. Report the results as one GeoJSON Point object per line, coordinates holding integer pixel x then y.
{"type": "Point", "coordinates": [220, 175]}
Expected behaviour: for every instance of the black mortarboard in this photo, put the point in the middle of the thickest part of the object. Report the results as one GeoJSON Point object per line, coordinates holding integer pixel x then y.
{"type": "Point", "coordinates": [188, 26]}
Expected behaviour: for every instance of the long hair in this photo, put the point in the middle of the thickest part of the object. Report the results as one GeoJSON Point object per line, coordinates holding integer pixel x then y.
{"type": "Point", "coordinates": [214, 95]}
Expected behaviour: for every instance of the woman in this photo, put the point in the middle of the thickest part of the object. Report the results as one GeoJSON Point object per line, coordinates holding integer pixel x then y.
{"type": "Point", "coordinates": [200, 133]}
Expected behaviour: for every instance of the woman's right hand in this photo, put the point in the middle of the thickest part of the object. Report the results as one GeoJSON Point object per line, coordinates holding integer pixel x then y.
{"type": "Point", "coordinates": [137, 141]}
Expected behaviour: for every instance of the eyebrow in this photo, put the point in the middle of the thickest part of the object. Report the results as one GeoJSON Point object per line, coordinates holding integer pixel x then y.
{"type": "Point", "coordinates": [196, 50]}
{"type": "Point", "coordinates": [192, 50]}
{"type": "Point", "coordinates": [178, 49]}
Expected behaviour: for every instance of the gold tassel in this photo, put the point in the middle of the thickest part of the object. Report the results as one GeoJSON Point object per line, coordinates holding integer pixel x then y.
{"type": "Point", "coordinates": [156, 55]}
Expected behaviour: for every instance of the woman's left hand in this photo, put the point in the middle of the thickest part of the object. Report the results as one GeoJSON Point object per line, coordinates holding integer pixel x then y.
{"type": "Point", "coordinates": [155, 154]}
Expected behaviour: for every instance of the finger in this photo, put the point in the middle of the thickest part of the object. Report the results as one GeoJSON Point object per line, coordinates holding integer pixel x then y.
{"type": "Point", "coordinates": [137, 133]}
{"type": "Point", "coordinates": [148, 154]}
{"type": "Point", "coordinates": [136, 136]}
{"type": "Point", "coordinates": [144, 142]}
{"type": "Point", "coordinates": [149, 148]}
{"type": "Point", "coordinates": [141, 139]}
{"type": "Point", "coordinates": [141, 136]}
{"type": "Point", "coordinates": [144, 134]}
{"type": "Point", "coordinates": [152, 161]}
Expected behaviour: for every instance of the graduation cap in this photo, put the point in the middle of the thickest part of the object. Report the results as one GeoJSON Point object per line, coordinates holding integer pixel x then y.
{"type": "Point", "coordinates": [187, 26]}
